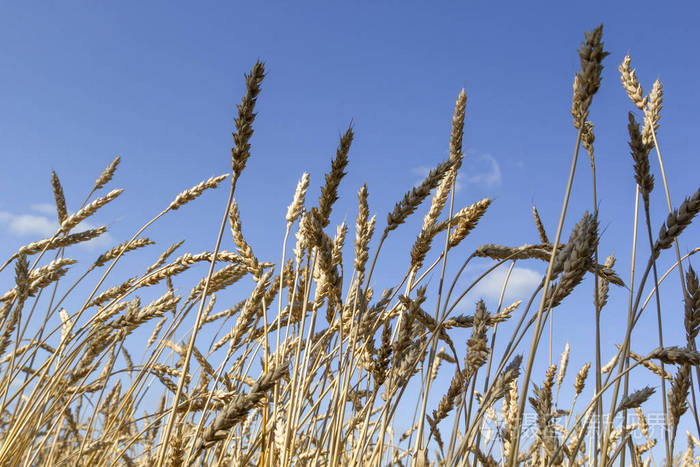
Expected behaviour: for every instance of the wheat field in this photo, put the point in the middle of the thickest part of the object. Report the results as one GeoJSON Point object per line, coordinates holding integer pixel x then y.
{"type": "Point", "coordinates": [313, 365]}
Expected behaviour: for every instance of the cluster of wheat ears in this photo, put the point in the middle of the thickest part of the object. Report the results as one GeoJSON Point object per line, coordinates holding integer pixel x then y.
{"type": "Point", "coordinates": [311, 367]}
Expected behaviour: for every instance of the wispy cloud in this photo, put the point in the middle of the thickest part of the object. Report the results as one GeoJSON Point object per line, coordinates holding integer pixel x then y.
{"type": "Point", "coordinates": [482, 169]}
{"type": "Point", "coordinates": [41, 226]}
{"type": "Point", "coordinates": [477, 169]}
{"type": "Point", "coordinates": [28, 224]}
{"type": "Point", "coordinates": [44, 208]}
{"type": "Point", "coordinates": [423, 172]}
{"type": "Point", "coordinates": [521, 283]}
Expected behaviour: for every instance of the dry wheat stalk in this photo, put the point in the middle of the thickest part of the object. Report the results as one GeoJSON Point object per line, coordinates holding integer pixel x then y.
{"type": "Point", "coordinates": [543, 253]}
{"type": "Point", "coordinates": [328, 282]}
{"type": "Point", "coordinates": [239, 407]}
{"type": "Point", "coordinates": [430, 325]}
{"type": "Point", "coordinates": [59, 197]}
{"type": "Point", "coordinates": [112, 292]}
{"type": "Point", "coordinates": [587, 80]}
{"type": "Point", "coordinates": [563, 364]}
{"type": "Point", "coordinates": [45, 275]}
{"type": "Point", "coordinates": [107, 174]}
{"type": "Point", "coordinates": [100, 340]}
{"type": "Point", "coordinates": [437, 363]}
{"type": "Point", "coordinates": [21, 350]}
{"type": "Point", "coordinates": [204, 363]}
{"type": "Point", "coordinates": [539, 225]}
{"type": "Point", "coordinates": [338, 242]}
{"type": "Point", "coordinates": [439, 199]}
{"type": "Point", "coordinates": [245, 319]}
{"type": "Point", "coordinates": [128, 360]}
{"type": "Point", "coordinates": [246, 115]}
{"type": "Point", "coordinates": [239, 433]}
{"type": "Point", "coordinates": [208, 309]}
{"type": "Point", "coordinates": [468, 218]}
{"type": "Point", "coordinates": [572, 252]}
{"type": "Point", "coordinates": [631, 83]}
{"type": "Point", "coordinates": [689, 458]}
{"type": "Point", "coordinates": [120, 249]}
{"type": "Point", "coordinates": [22, 291]}
{"type": "Point", "coordinates": [226, 313]}
{"type": "Point", "coordinates": [581, 378]}
{"type": "Point", "coordinates": [467, 321]}
{"type": "Point", "coordinates": [39, 278]}
{"type": "Point", "coordinates": [503, 382]}
{"type": "Point", "coordinates": [604, 283]}
{"type": "Point", "coordinates": [113, 394]}
{"type": "Point", "coordinates": [406, 331]}
{"type": "Point", "coordinates": [60, 242]}
{"type": "Point", "coordinates": [652, 113]}
{"type": "Point", "coordinates": [161, 274]}
{"type": "Point", "coordinates": [66, 325]}
{"type": "Point", "coordinates": [148, 280]}
{"type": "Point", "coordinates": [380, 368]}
{"type": "Point", "coordinates": [587, 140]}
{"type": "Point", "coordinates": [510, 414]}
{"type": "Point", "coordinates": [643, 425]}
{"type": "Point", "coordinates": [676, 222]}
{"type": "Point", "coordinates": [87, 211]}
{"type": "Point", "coordinates": [294, 209]}
{"type": "Point", "coordinates": [219, 280]}
{"type": "Point", "coordinates": [302, 242]}
{"type": "Point", "coordinates": [430, 229]}
{"type": "Point", "coordinates": [244, 248]}
{"type": "Point", "coordinates": [107, 312]}
{"type": "Point", "coordinates": [457, 132]}
{"type": "Point", "coordinates": [176, 448]}
{"type": "Point", "coordinates": [651, 366]}
{"type": "Point", "coordinates": [692, 306]}
{"type": "Point", "coordinates": [677, 398]}
{"type": "Point", "coordinates": [164, 256]}
{"type": "Point", "coordinates": [575, 448]}
{"type": "Point", "coordinates": [543, 405]}
{"type": "Point", "coordinates": [640, 154]}
{"type": "Point", "coordinates": [156, 332]}
{"type": "Point", "coordinates": [162, 371]}
{"type": "Point", "coordinates": [135, 316]}
{"type": "Point", "coordinates": [578, 259]}
{"type": "Point", "coordinates": [422, 246]}
{"type": "Point", "coordinates": [499, 252]}
{"type": "Point", "coordinates": [188, 259]}
{"type": "Point", "coordinates": [610, 365]}
{"type": "Point", "coordinates": [676, 355]}
{"type": "Point", "coordinates": [635, 399]}
{"type": "Point", "coordinates": [363, 231]}
{"type": "Point", "coordinates": [641, 449]}
{"type": "Point", "coordinates": [416, 196]}
{"type": "Point", "coordinates": [194, 192]}
{"type": "Point", "coordinates": [477, 345]}
{"type": "Point", "coordinates": [329, 191]}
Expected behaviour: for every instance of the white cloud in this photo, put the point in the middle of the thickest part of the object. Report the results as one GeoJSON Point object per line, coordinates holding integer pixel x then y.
{"type": "Point", "coordinates": [423, 172]}
{"type": "Point", "coordinates": [521, 284]}
{"type": "Point", "coordinates": [482, 169]}
{"type": "Point", "coordinates": [477, 169]}
{"type": "Point", "coordinates": [102, 242]}
{"type": "Point", "coordinates": [44, 208]}
{"type": "Point", "coordinates": [28, 224]}
{"type": "Point", "coordinates": [32, 225]}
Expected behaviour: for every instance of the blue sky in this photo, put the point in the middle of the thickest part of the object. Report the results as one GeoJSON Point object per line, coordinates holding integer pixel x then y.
{"type": "Point", "coordinates": [157, 83]}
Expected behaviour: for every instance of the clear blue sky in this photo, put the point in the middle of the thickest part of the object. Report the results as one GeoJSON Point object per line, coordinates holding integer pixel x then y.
{"type": "Point", "coordinates": [157, 83]}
